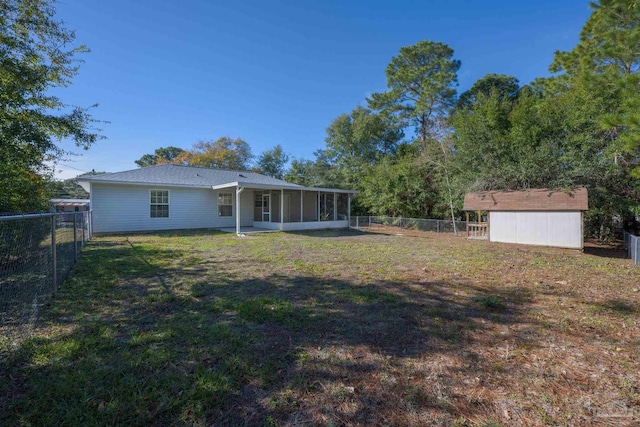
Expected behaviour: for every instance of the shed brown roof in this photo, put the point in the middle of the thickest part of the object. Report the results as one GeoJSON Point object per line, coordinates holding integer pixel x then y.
{"type": "Point", "coordinates": [537, 199]}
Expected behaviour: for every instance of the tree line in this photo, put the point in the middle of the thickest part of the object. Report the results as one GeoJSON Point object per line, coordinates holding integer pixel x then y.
{"type": "Point", "coordinates": [412, 150]}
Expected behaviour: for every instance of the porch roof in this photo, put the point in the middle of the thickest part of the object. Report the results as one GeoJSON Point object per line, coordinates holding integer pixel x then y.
{"type": "Point", "coordinates": [286, 186]}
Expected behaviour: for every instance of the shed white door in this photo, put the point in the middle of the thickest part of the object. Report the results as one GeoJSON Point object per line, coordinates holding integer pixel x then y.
{"type": "Point", "coordinates": [562, 229]}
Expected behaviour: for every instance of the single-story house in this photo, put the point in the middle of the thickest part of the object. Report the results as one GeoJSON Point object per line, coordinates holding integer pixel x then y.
{"type": "Point", "coordinates": [531, 217]}
{"type": "Point", "coordinates": [168, 197]}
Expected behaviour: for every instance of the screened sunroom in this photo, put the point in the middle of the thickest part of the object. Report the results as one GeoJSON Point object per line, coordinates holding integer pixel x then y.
{"type": "Point", "coordinates": [289, 208]}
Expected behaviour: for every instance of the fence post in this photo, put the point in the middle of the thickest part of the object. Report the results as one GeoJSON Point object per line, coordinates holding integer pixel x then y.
{"type": "Point", "coordinates": [357, 223]}
{"type": "Point", "coordinates": [84, 225]}
{"type": "Point", "coordinates": [369, 221]}
{"type": "Point", "coordinates": [437, 225]}
{"type": "Point", "coordinates": [637, 259]}
{"type": "Point", "coordinates": [53, 254]}
{"type": "Point", "coordinates": [75, 237]}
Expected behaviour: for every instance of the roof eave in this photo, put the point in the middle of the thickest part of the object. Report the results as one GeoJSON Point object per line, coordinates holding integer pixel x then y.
{"type": "Point", "coordinates": [279, 187]}
{"type": "Point", "coordinates": [155, 184]}
{"type": "Point", "coordinates": [220, 186]}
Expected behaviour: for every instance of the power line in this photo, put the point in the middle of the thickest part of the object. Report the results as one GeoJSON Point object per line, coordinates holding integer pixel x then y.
{"type": "Point", "coordinates": [73, 167]}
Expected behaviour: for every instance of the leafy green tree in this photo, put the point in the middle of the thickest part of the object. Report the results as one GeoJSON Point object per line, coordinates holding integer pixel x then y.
{"type": "Point", "coordinates": [273, 162]}
{"type": "Point", "coordinates": [400, 185]}
{"type": "Point", "coordinates": [36, 56]}
{"type": "Point", "coordinates": [603, 69]}
{"type": "Point", "coordinates": [532, 141]}
{"type": "Point", "coordinates": [358, 140]}
{"type": "Point", "coordinates": [300, 172]}
{"type": "Point", "coordinates": [67, 189]}
{"type": "Point", "coordinates": [223, 153]}
{"type": "Point", "coordinates": [506, 87]}
{"type": "Point", "coordinates": [421, 82]}
{"type": "Point", "coordinates": [320, 172]}
{"type": "Point", "coordinates": [607, 60]}
{"type": "Point", "coordinates": [362, 137]}
{"type": "Point", "coordinates": [163, 155]}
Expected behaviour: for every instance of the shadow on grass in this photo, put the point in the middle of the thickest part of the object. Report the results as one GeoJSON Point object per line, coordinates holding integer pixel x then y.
{"type": "Point", "coordinates": [331, 233]}
{"type": "Point", "coordinates": [617, 307]}
{"type": "Point", "coordinates": [134, 339]}
{"type": "Point", "coordinates": [187, 232]}
{"type": "Point", "coordinates": [605, 250]}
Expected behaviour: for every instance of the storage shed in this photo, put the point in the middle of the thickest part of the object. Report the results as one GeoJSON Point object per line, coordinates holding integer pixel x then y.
{"type": "Point", "coordinates": [530, 217]}
{"type": "Point", "coordinates": [70, 205]}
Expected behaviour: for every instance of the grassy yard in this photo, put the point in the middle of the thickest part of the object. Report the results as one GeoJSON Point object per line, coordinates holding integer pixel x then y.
{"type": "Point", "coordinates": [331, 328]}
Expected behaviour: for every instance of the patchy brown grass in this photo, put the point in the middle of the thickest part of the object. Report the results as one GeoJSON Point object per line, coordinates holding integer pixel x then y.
{"type": "Point", "coordinates": [333, 328]}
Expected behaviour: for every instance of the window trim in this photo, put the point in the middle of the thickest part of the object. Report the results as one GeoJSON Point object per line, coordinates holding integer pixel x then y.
{"type": "Point", "coordinates": [221, 194]}
{"type": "Point", "coordinates": [160, 204]}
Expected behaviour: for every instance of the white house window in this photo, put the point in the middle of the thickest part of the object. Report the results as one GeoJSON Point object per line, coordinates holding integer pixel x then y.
{"type": "Point", "coordinates": [159, 203]}
{"type": "Point", "coordinates": [225, 204]}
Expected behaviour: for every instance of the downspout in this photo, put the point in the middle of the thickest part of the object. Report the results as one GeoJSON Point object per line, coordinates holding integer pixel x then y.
{"type": "Point", "coordinates": [238, 191]}
{"type": "Point", "coordinates": [90, 211]}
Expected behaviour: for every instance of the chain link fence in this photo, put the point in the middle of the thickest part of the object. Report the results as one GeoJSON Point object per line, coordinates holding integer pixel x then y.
{"type": "Point", "coordinates": [632, 245]}
{"type": "Point", "coordinates": [435, 225]}
{"type": "Point", "coordinates": [36, 253]}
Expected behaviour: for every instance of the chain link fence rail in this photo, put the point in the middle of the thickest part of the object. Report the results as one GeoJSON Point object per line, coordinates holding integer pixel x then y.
{"type": "Point", "coordinates": [36, 253]}
{"type": "Point", "coordinates": [435, 225]}
{"type": "Point", "coordinates": [632, 245]}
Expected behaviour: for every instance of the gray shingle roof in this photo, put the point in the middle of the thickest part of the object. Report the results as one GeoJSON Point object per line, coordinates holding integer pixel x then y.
{"type": "Point", "coordinates": [186, 176]}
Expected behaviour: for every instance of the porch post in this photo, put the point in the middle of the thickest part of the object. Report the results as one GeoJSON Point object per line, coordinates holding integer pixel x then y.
{"type": "Point", "coordinates": [488, 225]}
{"type": "Point", "coordinates": [318, 206]}
{"type": "Point", "coordinates": [335, 206]}
{"type": "Point", "coordinates": [301, 205]}
{"type": "Point", "coordinates": [467, 215]}
{"type": "Point", "coordinates": [238, 191]}
{"type": "Point", "coordinates": [349, 210]}
{"type": "Point", "coordinates": [281, 209]}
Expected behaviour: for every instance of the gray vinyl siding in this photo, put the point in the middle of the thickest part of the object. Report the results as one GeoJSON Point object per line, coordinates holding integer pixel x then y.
{"type": "Point", "coordinates": [126, 208]}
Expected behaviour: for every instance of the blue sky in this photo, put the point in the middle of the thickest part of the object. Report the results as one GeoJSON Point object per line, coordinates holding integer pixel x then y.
{"type": "Point", "coordinates": [278, 72]}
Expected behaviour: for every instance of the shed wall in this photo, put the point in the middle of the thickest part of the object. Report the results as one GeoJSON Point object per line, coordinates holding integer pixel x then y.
{"type": "Point", "coordinates": [561, 229]}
